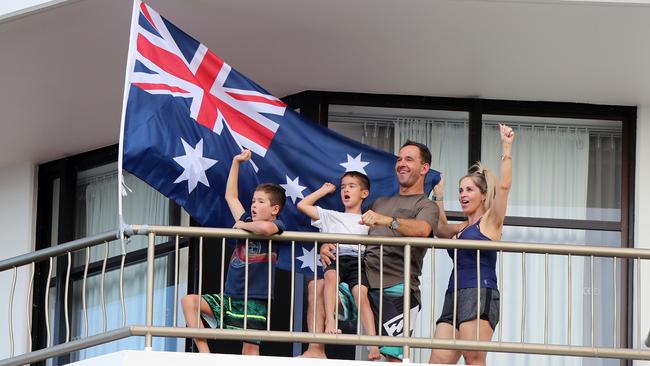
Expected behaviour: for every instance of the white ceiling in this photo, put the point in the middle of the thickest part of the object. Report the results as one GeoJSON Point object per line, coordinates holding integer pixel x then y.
{"type": "Point", "coordinates": [62, 67]}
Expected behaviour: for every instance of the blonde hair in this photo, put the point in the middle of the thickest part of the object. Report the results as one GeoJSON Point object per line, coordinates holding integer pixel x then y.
{"type": "Point", "coordinates": [485, 180]}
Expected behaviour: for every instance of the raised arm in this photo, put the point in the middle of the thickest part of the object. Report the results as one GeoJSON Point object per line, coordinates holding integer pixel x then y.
{"type": "Point", "coordinates": [498, 213]}
{"type": "Point", "coordinates": [232, 195]}
{"type": "Point", "coordinates": [445, 229]}
{"type": "Point", "coordinates": [306, 205]}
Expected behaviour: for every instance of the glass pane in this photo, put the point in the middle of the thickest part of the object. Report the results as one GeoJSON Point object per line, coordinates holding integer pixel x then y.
{"type": "Point", "coordinates": [606, 291]}
{"type": "Point", "coordinates": [96, 208]}
{"type": "Point", "coordinates": [559, 299]}
{"type": "Point", "coordinates": [444, 132]}
{"type": "Point", "coordinates": [562, 236]}
{"type": "Point", "coordinates": [562, 168]}
{"type": "Point", "coordinates": [54, 234]}
{"type": "Point", "coordinates": [54, 231]}
{"type": "Point", "coordinates": [135, 303]}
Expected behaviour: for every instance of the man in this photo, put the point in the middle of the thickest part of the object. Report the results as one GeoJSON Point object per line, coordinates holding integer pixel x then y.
{"type": "Point", "coordinates": [410, 214]}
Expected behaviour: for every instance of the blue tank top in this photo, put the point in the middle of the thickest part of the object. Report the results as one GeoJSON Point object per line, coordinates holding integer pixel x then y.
{"type": "Point", "coordinates": [467, 275]}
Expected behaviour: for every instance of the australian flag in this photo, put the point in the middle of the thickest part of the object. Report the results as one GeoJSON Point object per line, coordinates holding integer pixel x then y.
{"type": "Point", "coordinates": [188, 113]}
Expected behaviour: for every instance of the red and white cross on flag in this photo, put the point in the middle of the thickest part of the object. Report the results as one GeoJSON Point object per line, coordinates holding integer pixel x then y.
{"type": "Point", "coordinates": [170, 62]}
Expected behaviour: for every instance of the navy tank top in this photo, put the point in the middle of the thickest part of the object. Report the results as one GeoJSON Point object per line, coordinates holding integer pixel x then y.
{"type": "Point", "coordinates": [467, 275]}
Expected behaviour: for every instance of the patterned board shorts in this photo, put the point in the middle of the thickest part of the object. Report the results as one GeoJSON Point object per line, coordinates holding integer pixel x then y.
{"type": "Point", "coordinates": [233, 316]}
{"type": "Point", "coordinates": [393, 315]}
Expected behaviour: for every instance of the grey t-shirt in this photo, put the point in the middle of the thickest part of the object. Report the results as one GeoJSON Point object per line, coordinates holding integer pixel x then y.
{"type": "Point", "coordinates": [417, 207]}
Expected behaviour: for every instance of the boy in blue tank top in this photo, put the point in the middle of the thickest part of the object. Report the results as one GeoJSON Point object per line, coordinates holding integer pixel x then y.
{"type": "Point", "coordinates": [268, 200]}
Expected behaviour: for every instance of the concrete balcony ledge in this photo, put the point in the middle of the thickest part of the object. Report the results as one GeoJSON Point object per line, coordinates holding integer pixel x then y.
{"type": "Point", "coordinates": [138, 358]}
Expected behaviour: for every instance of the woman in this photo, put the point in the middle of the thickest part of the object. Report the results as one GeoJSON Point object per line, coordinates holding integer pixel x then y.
{"type": "Point", "coordinates": [483, 200]}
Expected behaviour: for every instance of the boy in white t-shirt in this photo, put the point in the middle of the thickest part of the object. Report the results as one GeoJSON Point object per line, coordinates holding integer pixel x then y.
{"type": "Point", "coordinates": [355, 187]}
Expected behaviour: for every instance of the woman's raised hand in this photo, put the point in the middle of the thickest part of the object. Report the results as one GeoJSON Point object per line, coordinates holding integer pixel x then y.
{"type": "Point", "coordinates": [507, 134]}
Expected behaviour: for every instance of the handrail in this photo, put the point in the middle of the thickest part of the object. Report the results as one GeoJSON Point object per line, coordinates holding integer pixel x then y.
{"type": "Point", "coordinates": [346, 339]}
{"type": "Point", "coordinates": [148, 330]}
{"type": "Point", "coordinates": [284, 336]}
{"type": "Point", "coordinates": [516, 247]}
{"type": "Point", "coordinates": [58, 250]}
{"type": "Point", "coordinates": [68, 347]}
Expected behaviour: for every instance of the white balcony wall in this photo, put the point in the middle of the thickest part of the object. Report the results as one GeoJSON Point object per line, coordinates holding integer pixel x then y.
{"type": "Point", "coordinates": [642, 217]}
{"type": "Point", "coordinates": [17, 225]}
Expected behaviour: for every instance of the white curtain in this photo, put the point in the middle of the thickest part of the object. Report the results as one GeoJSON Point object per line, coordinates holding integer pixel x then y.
{"type": "Point", "coordinates": [550, 166]}
{"type": "Point", "coordinates": [372, 131]}
{"type": "Point", "coordinates": [96, 213]}
{"type": "Point", "coordinates": [97, 209]}
{"type": "Point", "coordinates": [550, 178]}
{"type": "Point", "coordinates": [134, 298]}
{"type": "Point", "coordinates": [604, 202]}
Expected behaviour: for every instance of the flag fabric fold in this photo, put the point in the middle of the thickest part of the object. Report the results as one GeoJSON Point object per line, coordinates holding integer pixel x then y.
{"type": "Point", "coordinates": [188, 113]}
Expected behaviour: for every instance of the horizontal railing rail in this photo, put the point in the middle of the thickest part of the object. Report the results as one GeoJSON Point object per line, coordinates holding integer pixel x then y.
{"type": "Point", "coordinates": [148, 331]}
{"type": "Point", "coordinates": [299, 236]}
{"type": "Point", "coordinates": [57, 250]}
{"type": "Point", "coordinates": [342, 339]}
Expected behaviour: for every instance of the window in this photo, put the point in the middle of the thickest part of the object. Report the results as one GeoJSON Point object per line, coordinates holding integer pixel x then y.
{"type": "Point", "coordinates": [81, 199]}
{"type": "Point", "coordinates": [572, 171]}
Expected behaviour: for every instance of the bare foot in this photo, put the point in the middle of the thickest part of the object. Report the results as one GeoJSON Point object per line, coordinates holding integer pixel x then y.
{"type": "Point", "coordinates": [331, 326]}
{"type": "Point", "coordinates": [314, 352]}
{"type": "Point", "coordinates": [373, 353]}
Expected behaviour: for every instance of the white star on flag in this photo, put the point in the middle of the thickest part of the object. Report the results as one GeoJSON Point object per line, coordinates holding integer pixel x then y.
{"type": "Point", "coordinates": [293, 189]}
{"type": "Point", "coordinates": [307, 259]}
{"type": "Point", "coordinates": [354, 164]}
{"type": "Point", "coordinates": [194, 165]}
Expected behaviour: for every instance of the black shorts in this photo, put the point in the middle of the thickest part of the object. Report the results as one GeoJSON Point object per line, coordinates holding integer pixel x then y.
{"type": "Point", "coordinates": [349, 271]}
{"type": "Point", "coordinates": [466, 306]}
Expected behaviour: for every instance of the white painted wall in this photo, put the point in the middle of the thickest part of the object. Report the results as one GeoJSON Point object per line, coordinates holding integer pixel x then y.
{"type": "Point", "coordinates": [642, 215]}
{"type": "Point", "coordinates": [137, 358]}
{"type": "Point", "coordinates": [17, 225]}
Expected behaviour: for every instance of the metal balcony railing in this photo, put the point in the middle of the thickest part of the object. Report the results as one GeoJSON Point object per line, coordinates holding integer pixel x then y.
{"type": "Point", "coordinates": [148, 330]}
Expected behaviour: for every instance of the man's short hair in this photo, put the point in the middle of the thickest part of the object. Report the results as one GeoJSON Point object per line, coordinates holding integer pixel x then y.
{"type": "Point", "coordinates": [275, 192]}
{"type": "Point", "coordinates": [425, 154]}
{"type": "Point", "coordinates": [364, 182]}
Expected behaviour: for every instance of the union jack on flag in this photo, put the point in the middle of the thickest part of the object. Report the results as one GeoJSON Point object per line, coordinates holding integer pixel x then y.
{"type": "Point", "coordinates": [166, 63]}
{"type": "Point", "coordinates": [187, 113]}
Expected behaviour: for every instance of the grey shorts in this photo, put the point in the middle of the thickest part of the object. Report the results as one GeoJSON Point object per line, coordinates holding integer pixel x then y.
{"type": "Point", "coordinates": [466, 306]}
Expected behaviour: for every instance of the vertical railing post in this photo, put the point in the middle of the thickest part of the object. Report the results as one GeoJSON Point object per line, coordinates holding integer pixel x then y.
{"type": "Point", "coordinates": [149, 311]}
{"type": "Point", "coordinates": [11, 312]}
{"type": "Point", "coordinates": [407, 300]}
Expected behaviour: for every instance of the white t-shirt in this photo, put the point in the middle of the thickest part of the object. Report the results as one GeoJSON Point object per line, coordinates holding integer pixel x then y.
{"type": "Point", "coordinates": [341, 223]}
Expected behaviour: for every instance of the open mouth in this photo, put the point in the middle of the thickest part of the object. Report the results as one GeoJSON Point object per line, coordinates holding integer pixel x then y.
{"type": "Point", "coordinates": [346, 197]}
{"type": "Point", "coordinates": [254, 213]}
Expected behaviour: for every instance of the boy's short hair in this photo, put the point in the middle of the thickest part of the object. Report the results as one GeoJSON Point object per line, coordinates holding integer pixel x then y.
{"type": "Point", "coordinates": [425, 154]}
{"type": "Point", "coordinates": [364, 182]}
{"type": "Point", "coordinates": [275, 192]}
